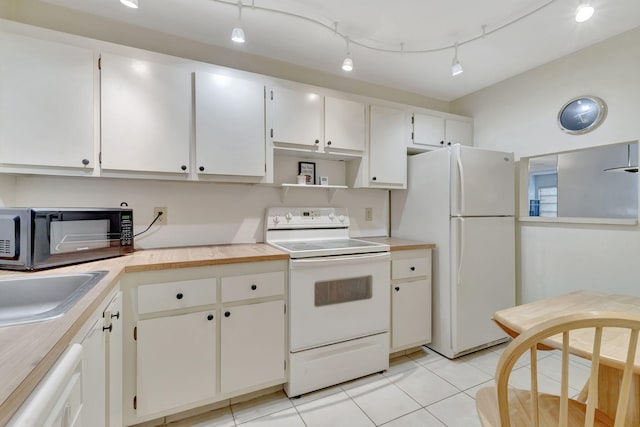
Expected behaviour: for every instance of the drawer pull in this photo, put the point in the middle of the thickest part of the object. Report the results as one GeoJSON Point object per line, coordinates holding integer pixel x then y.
{"type": "Point", "coordinates": [110, 328]}
{"type": "Point", "coordinates": [117, 315]}
{"type": "Point", "coordinates": [227, 314]}
{"type": "Point", "coordinates": [254, 287]}
{"type": "Point", "coordinates": [210, 317]}
{"type": "Point", "coordinates": [412, 268]}
{"type": "Point", "coordinates": [397, 288]}
{"type": "Point", "coordinates": [179, 296]}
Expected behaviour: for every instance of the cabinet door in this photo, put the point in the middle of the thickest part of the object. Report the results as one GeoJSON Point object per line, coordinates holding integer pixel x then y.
{"type": "Point", "coordinates": [113, 314]}
{"type": "Point", "coordinates": [94, 375]}
{"type": "Point", "coordinates": [410, 313]}
{"type": "Point", "coordinates": [46, 103]}
{"type": "Point", "coordinates": [459, 132]}
{"type": "Point", "coordinates": [428, 130]}
{"type": "Point", "coordinates": [229, 126]}
{"type": "Point", "coordinates": [387, 148]}
{"type": "Point", "coordinates": [175, 361]}
{"type": "Point", "coordinates": [146, 113]}
{"type": "Point", "coordinates": [344, 124]}
{"type": "Point", "coordinates": [296, 117]}
{"type": "Point", "coordinates": [252, 345]}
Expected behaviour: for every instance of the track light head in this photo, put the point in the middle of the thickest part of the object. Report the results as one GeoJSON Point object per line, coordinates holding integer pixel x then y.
{"type": "Point", "coordinates": [347, 64]}
{"type": "Point", "coordinates": [130, 3]}
{"type": "Point", "coordinates": [584, 11]}
{"type": "Point", "coordinates": [237, 34]}
{"type": "Point", "coordinates": [456, 67]}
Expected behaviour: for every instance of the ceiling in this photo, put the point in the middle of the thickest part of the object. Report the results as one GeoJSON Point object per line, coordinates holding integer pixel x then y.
{"type": "Point", "coordinates": [540, 37]}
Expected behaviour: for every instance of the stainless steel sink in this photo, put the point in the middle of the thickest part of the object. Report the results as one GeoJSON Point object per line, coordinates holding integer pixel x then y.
{"type": "Point", "coordinates": [27, 299]}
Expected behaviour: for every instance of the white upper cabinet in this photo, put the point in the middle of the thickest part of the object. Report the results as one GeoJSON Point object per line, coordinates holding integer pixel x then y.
{"type": "Point", "coordinates": [46, 103]}
{"type": "Point", "coordinates": [458, 132]}
{"type": "Point", "coordinates": [387, 148]}
{"type": "Point", "coordinates": [344, 124]}
{"type": "Point", "coordinates": [296, 117]}
{"type": "Point", "coordinates": [428, 130]}
{"type": "Point", "coordinates": [307, 120]}
{"type": "Point", "coordinates": [146, 115]}
{"type": "Point", "coordinates": [230, 133]}
{"type": "Point", "coordinates": [439, 131]}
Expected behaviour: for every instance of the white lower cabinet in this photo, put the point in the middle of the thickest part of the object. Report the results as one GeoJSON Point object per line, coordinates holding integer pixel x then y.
{"type": "Point", "coordinates": [102, 367]}
{"type": "Point", "coordinates": [176, 361]}
{"type": "Point", "coordinates": [201, 335]}
{"type": "Point", "coordinates": [410, 299]}
{"type": "Point", "coordinates": [251, 345]}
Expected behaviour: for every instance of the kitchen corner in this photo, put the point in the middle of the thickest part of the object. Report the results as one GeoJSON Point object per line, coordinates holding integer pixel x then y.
{"type": "Point", "coordinates": [28, 351]}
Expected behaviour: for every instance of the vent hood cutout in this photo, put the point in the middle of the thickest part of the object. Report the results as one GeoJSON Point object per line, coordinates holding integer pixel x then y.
{"type": "Point", "coordinates": [628, 168]}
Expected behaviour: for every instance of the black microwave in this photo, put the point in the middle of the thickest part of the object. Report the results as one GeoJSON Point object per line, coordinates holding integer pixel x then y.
{"type": "Point", "coordinates": [37, 238]}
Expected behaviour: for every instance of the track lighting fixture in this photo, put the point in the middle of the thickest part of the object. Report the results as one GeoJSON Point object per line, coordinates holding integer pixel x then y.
{"type": "Point", "coordinates": [130, 3]}
{"type": "Point", "coordinates": [584, 11]}
{"type": "Point", "coordinates": [456, 67]}
{"type": "Point", "coordinates": [347, 64]}
{"type": "Point", "coordinates": [237, 35]}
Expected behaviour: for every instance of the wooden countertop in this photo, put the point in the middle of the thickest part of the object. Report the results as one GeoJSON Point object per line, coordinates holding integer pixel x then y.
{"type": "Point", "coordinates": [396, 244]}
{"type": "Point", "coordinates": [28, 351]}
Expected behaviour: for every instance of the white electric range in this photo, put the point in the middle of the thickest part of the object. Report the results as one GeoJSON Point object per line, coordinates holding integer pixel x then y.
{"type": "Point", "coordinates": [338, 297]}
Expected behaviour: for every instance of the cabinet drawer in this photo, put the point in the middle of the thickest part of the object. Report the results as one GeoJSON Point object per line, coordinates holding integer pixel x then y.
{"type": "Point", "coordinates": [408, 268]}
{"type": "Point", "coordinates": [174, 295]}
{"type": "Point", "coordinates": [261, 285]}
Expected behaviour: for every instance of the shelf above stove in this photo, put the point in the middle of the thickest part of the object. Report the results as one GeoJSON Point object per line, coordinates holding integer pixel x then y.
{"type": "Point", "coordinates": [331, 189]}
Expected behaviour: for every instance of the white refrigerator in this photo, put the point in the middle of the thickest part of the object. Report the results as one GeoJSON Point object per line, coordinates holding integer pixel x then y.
{"type": "Point", "coordinates": [462, 199]}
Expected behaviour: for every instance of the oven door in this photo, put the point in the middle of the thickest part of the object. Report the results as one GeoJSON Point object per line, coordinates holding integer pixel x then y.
{"type": "Point", "coordinates": [334, 299]}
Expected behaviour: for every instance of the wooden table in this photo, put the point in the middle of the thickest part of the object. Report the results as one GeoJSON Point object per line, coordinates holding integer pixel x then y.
{"type": "Point", "coordinates": [614, 345]}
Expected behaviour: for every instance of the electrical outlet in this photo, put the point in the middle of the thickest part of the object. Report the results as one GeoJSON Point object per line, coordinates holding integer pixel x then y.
{"type": "Point", "coordinates": [368, 214]}
{"type": "Point", "coordinates": [163, 218]}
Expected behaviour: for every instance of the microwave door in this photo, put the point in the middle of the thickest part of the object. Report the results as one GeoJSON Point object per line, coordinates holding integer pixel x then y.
{"type": "Point", "coordinates": [79, 235]}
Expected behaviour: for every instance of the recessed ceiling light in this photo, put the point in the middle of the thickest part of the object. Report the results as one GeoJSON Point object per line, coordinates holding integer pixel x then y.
{"type": "Point", "coordinates": [584, 12]}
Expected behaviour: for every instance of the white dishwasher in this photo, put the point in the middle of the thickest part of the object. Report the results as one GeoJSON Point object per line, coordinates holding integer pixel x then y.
{"type": "Point", "coordinates": [57, 399]}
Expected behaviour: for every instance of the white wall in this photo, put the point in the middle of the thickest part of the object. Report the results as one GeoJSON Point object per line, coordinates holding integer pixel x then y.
{"type": "Point", "coordinates": [198, 213]}
{"type": "Point", "coordinates": [519, 115]}
{"type": "Point", "coordinates": [7, 190]}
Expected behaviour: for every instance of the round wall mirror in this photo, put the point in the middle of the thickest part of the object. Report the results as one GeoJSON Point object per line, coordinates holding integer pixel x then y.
{"type": "Point", "coordinates": [582, 114]}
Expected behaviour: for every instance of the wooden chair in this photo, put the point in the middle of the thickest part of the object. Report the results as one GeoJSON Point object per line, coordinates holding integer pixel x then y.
{"type": "Point", "coordinates": [504, 406]}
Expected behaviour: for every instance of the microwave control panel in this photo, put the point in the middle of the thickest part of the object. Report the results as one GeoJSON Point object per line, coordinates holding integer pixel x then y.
{"type": "Point", "coordinates": [126, 230]}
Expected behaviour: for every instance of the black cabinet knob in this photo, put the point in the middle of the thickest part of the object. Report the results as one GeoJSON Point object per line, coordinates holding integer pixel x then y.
{"type": "Point", "coordinates": [412, 268]}
{"type": "Point", "coordinates": [110, 328]}
{"type": "Point", "coordinates": [328, 142]}
{"type": "Point", "coordinates": [179, 296]}
{"type": "Point", "coordinates": [227, 314]}
{"type": "Point", "coordinates": [117, 315]}
{"type": "Point", "coordinates": [397, 288]}
{"type": "Point", "coordinates": [449, 143]}
{"type": "Point", "coordinates": [317, 141]}
{"type": "Point", "coordinates": [85, 162]}
{"type": "Point", "coordinates": [183, 167]}
{"type": "Point", "coordinates": [210, 317]}
{"type": "Point", "coordinates": [201, 168]}
{"type": "Point", "coordinates": [254, 287]}
{"type": "Point", "coordinates": [441, 142]}
{"type": "Point", "coordinates": [374, 178]}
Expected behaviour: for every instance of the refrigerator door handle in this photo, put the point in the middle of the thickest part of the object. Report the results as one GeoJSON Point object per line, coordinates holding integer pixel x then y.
{"type": "Point", "coordinates": [461, 246]}
{"type": "Point", "coordinates": [461, 172]}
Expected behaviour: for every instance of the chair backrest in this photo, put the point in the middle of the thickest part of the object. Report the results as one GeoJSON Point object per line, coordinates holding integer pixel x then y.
{"type": "Point", "coordinates": [585, 327]}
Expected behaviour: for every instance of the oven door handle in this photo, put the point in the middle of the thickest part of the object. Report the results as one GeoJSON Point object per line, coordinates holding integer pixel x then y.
{"type": "Point", "coordinates": [297, 264]}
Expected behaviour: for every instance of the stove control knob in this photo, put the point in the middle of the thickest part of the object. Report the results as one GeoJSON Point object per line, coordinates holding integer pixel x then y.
{"type": "Point", "coordinates": [288, 216]}
{"type": "Point", "coordinates": [331, 216]}
{"type": "Point", "coordinates": [341, 218]}
{"type": "Point", "coordinates": [276, 219]}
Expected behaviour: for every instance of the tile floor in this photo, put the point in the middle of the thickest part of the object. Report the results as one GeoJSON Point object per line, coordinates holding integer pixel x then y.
{"type": "Point", "coordinates": [421, 389]}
